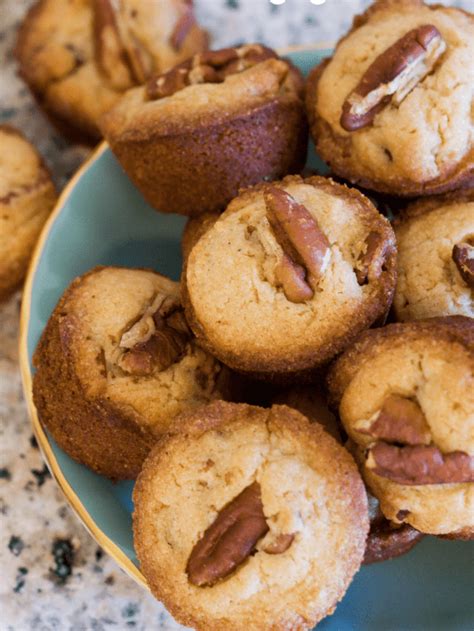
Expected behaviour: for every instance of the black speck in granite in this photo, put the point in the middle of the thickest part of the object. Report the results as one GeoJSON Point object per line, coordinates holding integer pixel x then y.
{"type": "Point", "coordinates": [20, 579]}
{"type": "Point", "coordinates": [130, 610]}
{"type": "Point", "coordinates": [41, 475]}
{"type": "Point", "coordinates": [5, 474]}
{"type": "Point", "coordinates": [232, 4]}
{"type": "Point", "coordinates": [109, 580]}
{"type": "Point", "coordinates": [3, 506]}
{"type": "Point", "coordinates": [16, 545]}
{"type": "Point", "coordinates": [33, 442]}
{"type": "Point", "coordinates": [99, 553]}
{"type": "Point", "coordinates": [63, 553]}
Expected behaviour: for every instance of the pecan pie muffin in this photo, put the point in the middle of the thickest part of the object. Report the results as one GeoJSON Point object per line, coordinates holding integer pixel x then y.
{"type": "Point", "coordinates": [249, 519]}
{"type": "Point", "coordinates": [391, 110]}
{"type": "Point", "coordinates": [79, 56]}
{"type": "Point", "coordinates": [220, 121]}
{"type": "Point", "coordinates": [435, 239]}
{"type": "Point", "coordinates": [289, 275]}
{"type": "Point", "coordinates": [27, 196]}
{"type": "Point", "coordinates": [115, 364]}
{"type": "Point", "coordinates": [405, 395]}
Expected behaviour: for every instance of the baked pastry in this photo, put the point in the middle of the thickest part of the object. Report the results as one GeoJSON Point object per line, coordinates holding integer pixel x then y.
{"type": "Point", "coordinates": [405, 395]}
{"type": "Point", "coordinates": [391, 110]}
{"type": "Point", "coordinates": [289, 275]}
{"type": "Point", "coordinates": [435, 240]}
{"type": "Point", "coordinates": [27, 196]}
{"type": "Point", "coordinates": [225, 119]}
{"type": "Point", "coordinates": [115, 364]}
{"type": "Point", "coordinates": [249, 519]}
{"type": "Point", "coordinates": [79, 56]}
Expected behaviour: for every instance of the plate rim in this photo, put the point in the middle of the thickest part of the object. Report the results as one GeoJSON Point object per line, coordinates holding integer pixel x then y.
{"type": "Point", "coordinates": [105, 542]}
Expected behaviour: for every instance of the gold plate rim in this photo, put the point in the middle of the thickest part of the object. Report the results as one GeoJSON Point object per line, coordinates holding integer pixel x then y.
{"type": "Point", "coordinates": [81, 512]}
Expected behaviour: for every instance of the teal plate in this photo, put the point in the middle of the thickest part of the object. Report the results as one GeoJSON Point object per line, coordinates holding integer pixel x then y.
{"type": "Point", "coordinates": [102, 219]}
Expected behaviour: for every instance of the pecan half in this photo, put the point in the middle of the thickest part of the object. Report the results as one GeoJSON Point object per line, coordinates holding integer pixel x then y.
{"type": "Point", "coordinates": [156, 341]}
{"type": "Point", "coordinates": [393, 75]}
{"type": "Point", "coordinates": [211, 66]}
{"type": "Point", "coordinates": [305, 246]}
{"type": "Point", "coordinates": [420, 464]}
{"type": "Point", "coordinates": [463, 256]}
{"type": "Point", "coordinates": [184, 24]}
{"type": "Point", "coordinates": [232, 538]}
{"type": "Point", "coordinates": [122, 59]}
{"type": "Point", "coordinates": [400, 420]}
{"type": "Point", "coordinates": [372, 259]}
{"type": "Point", "coordinates": [229, 540]}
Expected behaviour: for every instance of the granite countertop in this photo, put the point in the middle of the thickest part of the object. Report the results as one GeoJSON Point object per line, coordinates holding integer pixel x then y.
{"type": "Point", "coordinates": [54, 575]}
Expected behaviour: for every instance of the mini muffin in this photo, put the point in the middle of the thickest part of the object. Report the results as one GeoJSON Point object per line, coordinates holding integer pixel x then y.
{"type": "Point", "coordinates": [249, 519]}
{"type": "Point", "coordinates": [27, 196]}
{"type": "Point", "coordinates": [289, 275]}
{"type": "Point", "coordinates": [115, 364]}
{"type": "Point", "coordinates": [79, 56]}
{"type": "Point", "coordinates": [405, 395]}
{"type": "Point", "coordinates": [223, 120]}
{"type": "Point", "coordinates": [391, 110]}
{"type": "Point", "coordinates": [435, 239]}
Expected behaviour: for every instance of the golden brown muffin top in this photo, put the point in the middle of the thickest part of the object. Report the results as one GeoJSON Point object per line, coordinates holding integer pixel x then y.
{"type": "Point", "coordinates": [309, 496]}
{"type": "Point", "coordinates": [204, 92]}
{"type": "Point", "coordinates": [235, 278]}
{"type": "Point", "coordinates": [423, 130]}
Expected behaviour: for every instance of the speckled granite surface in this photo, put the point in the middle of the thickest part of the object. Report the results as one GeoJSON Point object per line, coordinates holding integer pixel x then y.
{"type": "Point", "coordinates": [53, 575]}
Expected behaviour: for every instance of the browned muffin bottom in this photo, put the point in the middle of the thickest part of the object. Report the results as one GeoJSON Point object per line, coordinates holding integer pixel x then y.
{"type": "Point", "coordinates": [115, 364]}
{"type": "Point", "coordinates": [288, 276]}
{"type": "Point", "coordinates": [78, 56]}
{"type": "Point", "coordinates": [405, 395]}
{"type": "Point", "coordinates": [27, 196]}
{"type": "Point", "coordinates": [390, 110]}
{"type": "Point", "coordinates": [221, 121]}
{"type": "Point", "coordinates": [249, 518]}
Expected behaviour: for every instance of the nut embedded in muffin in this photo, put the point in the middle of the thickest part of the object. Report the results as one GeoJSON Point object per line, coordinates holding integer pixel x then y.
{"type": "Point", "coordinates": [27, 196]}
{"type": "Point", "coordinates": [435, 241]}
{"type": "Point", "coordinates": [406, 398]}
{"type": "Point", "coordinates": [115, 364]}
{"type": "Point", "coordinates": [289, 275]}
{"type": "Point", "coordinates": [249, 518]}
{"type": "Point", "coordinates": [220, 121]}
{"type": "Point", "coordinates": [390, 110]}
{"type": "Point", "coordinates": [79, 56]}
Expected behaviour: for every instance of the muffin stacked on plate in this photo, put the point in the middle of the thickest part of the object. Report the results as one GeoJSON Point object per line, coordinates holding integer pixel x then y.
{"type": "Point", "coordinates": [258, 516]}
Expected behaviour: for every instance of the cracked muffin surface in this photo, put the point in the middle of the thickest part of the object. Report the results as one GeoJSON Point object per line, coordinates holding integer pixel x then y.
{"type": "Point", "coordinates": [417, 137]}
{"type": "Point", "coordinates": [222, 120]}
{"type": "Point", "coordinates": [435, 241]}
{"type": "Point", "coordinates": [405, 395]}
{"type": "Point", "coordinates": [27, 196]}
{"type": "Point", "coordinates": [288, 504]}
{"type": "Point", "coordinates": [115, 364]}
{"type": "Point", "coordinates": [78, 56]}
{"type": "Point", "coordinates": [255, 303]}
